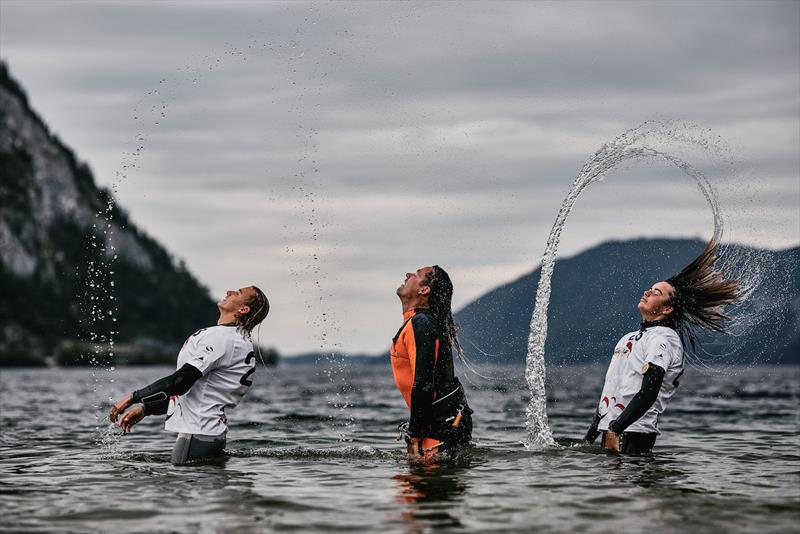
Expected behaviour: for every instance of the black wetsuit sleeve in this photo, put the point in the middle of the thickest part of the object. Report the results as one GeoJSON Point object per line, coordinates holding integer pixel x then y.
{"type": "Point", "coordinates": [642, 401]}
{"type": "Point", "coordinates": [155, 397]}
{"type": "Point", "coordinates": [592, 433]}
{"type": "Point", "coordinates": [422, 390]}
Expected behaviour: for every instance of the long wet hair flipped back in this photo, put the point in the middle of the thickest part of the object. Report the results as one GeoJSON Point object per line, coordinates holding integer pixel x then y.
{"type": "Point", "coordinates": [701, 294]}
{"type": "Point", "coordinates": [439, 304]}
{"type": "Point", "coordinates": [259, 308]}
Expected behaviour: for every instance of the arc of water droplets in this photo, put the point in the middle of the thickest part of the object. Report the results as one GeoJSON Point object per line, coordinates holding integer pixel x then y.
{"type": "Point", "coordinates": [606, 158]}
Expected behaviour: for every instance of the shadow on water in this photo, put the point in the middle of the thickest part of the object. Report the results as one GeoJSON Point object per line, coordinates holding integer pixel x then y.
{"type": "Point", "coordinates": [648, 471]}
{"type": "Point", "coordinates": [430, 495]}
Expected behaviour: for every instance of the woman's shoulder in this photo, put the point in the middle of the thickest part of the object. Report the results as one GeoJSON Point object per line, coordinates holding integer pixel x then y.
{"type": "Point", "coordinates": [666, 334]}
{"type": "Point", "coordinates": [423, 317]}
{"type": "Point", "coordinates": [216, 331]}
{"type": "Point", "coordinates": [423, 320]}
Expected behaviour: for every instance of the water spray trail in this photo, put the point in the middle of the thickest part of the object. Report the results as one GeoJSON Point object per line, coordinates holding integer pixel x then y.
{"type": "Point", "coordinates": [628, 146]}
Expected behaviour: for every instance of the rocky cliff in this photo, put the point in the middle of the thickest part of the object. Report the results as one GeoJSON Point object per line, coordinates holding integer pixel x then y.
{"type": "Point", "coordinates": [75, 272]}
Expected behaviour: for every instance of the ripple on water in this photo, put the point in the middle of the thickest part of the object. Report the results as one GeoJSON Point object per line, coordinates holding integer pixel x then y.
{"type": "Point", "coordinates": [283, 473]}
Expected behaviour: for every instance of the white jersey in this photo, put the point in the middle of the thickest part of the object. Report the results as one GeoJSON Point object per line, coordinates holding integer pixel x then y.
{"type": "Point", "coordinates": [226, 359]}
{"type": "Point", "coordinates": [657, 345]}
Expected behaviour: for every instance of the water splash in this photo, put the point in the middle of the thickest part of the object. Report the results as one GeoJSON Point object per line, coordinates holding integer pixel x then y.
{"type": "Point", "coordinates": [151, 113]}
{"type": "Point", "coordinates": [637, 144]}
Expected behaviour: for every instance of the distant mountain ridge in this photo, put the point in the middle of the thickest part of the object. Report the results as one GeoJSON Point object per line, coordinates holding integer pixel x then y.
{"type": "Point", "coordinates": [593, 303]}
{"type": "Point", "coordinates": [594, 298]}
{"type": "Point", "coordinates": [48, 210]}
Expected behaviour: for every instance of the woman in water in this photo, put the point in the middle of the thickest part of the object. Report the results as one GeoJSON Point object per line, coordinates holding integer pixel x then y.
{"type": "Point", "coordinates": [422, 363]}
{"type": "Point", "coordinates": [215, 370]}
{"type": "Point", "coordinates": [648, 363]}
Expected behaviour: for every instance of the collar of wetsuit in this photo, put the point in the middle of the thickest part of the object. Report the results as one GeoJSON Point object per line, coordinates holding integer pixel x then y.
{"type": "Point", "coordinates": [649, 324]}
{"type": "Point", "coordinates": [413, 311]}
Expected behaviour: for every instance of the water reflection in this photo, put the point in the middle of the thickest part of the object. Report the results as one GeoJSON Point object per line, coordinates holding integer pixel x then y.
{"type": "Point", "coordinates": [431, 495]}
{"type": "Point", "coordinates": [656, 471]}
{"type": "Point", "coordinates": [283, 475]}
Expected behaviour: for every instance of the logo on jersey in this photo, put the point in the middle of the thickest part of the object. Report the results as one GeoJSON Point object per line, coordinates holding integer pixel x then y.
{"type": "Point", "coordinates": [173, 405]}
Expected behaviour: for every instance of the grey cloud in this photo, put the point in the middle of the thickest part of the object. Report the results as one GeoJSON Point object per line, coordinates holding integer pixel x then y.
{"type": "Point", "coordinates": [417, 132]}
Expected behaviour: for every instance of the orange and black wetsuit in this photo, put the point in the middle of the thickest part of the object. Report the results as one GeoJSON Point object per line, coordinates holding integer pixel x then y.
{"type": "Point", "coordinates": [422, 363]}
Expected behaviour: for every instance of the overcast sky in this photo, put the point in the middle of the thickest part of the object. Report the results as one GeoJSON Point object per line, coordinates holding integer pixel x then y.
{"type": "Point", "coordinates": [322, 150]}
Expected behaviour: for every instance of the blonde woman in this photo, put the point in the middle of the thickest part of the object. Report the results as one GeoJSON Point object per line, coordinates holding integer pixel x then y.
{"type": "Point", "coordinates": [215, 370]}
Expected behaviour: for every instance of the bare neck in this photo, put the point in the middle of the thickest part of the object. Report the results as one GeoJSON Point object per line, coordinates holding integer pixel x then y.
{"type": "Point", "coordinates": [412, 303]}
{"type": "Point", "coordinates": [227, 318]}
{"type": "Point", "coordinates": [650, 317]}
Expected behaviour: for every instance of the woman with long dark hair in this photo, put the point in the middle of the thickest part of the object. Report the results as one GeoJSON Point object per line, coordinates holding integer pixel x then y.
{"type": "Point", "coordinates": [648, 363]}
{"type": "Point", "coordinates": [422, 363]}
{"type": "Point", "coordinates": [215, 370]}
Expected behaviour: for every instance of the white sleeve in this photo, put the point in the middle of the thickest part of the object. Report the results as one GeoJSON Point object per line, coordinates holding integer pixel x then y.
{"type": "Point", "coordinates": [205, 349]}
{"type": "Point", "coordinates": [658, 351]}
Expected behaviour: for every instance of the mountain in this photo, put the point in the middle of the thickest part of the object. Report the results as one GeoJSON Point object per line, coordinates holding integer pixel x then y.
{"type": "Point", "coordinates": [594, 298]}
{"type": "Point", "coordinates": [57, 229]}
{"type": "Point", "coordinates": [56, 265]}
{"type": "Point", "coordinates": [593, 303]}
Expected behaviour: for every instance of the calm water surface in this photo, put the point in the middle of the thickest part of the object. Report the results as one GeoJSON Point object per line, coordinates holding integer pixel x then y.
{"type": "Point", "coordinates": [313, 449]}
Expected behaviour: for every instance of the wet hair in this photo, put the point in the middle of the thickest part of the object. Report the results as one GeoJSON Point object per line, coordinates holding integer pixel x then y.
{"type": "Point", "coordinates": [701, 294]}
{"type": "Point", "coordinates": [439, 304]}
{"type": "Point", "coordinates": [259, 308]}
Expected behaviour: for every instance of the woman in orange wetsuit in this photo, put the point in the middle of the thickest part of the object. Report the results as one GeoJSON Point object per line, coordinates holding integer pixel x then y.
{"type": "Point", "coordinates": [422, 362]}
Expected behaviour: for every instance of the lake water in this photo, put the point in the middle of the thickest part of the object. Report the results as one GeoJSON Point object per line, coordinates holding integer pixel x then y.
{"type": "Point", "coordinates": [728, 459]}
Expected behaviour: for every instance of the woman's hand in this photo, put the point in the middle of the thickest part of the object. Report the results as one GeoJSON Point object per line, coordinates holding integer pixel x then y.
{"type": "Point", "coordinates": [612, 441]}
{"type": "Point", "coordinates": [119, 407]}
{"type": "Point", "coordinates": [413, 449]}
{"type": "Point", "coordinates": [131, 417]}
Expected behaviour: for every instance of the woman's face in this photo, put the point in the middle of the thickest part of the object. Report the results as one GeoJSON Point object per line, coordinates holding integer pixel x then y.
{"type": "Point", "coordinates": [414, 284]}
{"type": "Point", "coordinates": [655, 303]}
{"type": "Point", "coordinates": [235, 301]}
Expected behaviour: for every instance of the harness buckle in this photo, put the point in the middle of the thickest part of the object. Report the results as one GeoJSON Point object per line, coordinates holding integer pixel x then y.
{"type": "Point", "coordinates": [402, 432]}
{"type": "Point", "coordinates": [459, 414]}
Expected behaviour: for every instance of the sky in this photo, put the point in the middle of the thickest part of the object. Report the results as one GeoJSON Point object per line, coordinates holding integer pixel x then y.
{"type": "Point", "coordinates": [321, 150]}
